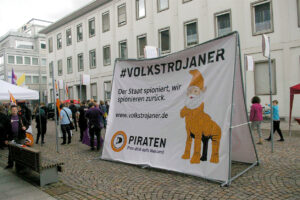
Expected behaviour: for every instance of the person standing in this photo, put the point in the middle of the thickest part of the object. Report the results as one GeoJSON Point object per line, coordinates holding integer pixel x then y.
{"type": "Point", "coordinates": [276, 121]}
{"type": "Point", "coordinates": [107, 106]}
{"type": "Point", "coordinates": [41, 125]}
{"type": "Point", "coordinates": [65, 116]}
{"type": "Point", "coordinates": [4, 127]}
{"type": "Point", "coordinates": [256, 116]}
{"type": "Point", "coordinates": [102, 107]}
{"type": "Point", "coordinates": [94, 115]}
{"type": "Point", "coordinates": [74, 110]}
{"type": "Point", "coordinates": [16, 131]}
{"type": "Point", "coordinates": [82, 121]}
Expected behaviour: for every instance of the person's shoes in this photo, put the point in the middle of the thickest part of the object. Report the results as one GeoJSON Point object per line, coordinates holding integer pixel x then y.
{"type": "Point", "coordinates": [268, 139]}
{"type": "Point", "coordinates": [92, 149]}
{"type": "Point", "coordinates": [8, 167]}
{"type": "Point", "coordinates": [281, 140]}
{"type": "Point", "coordinates": [43, 142]}
{"type": "Point", "coordinates": [69, 142]}
{"type": "Point", "coordinates": [63, 143]}
{"type": "Point", "coordinates": [36, 142]}
{"type": "Point", "coordinates": [260, 141]}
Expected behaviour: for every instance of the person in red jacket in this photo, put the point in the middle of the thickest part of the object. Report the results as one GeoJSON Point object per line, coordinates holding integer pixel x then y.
{"type": "Point", "coordinates": [256, 116]}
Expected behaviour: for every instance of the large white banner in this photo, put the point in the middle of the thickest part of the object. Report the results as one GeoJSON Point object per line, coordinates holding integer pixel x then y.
{"type": "Point", "coordinates": [174, 112]}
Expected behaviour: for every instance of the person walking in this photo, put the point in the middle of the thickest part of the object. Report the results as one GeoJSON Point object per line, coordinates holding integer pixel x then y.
{"type": "Point", "coordinates": [82, 121]}
{"type": "Point", "coordinates": [4, 127]}
{"type": "Point", "coordinates": [256, 116]}
{"type": "Point", "coordinates": [16, 131]}
{"type": "Point", "coordinates": [74, 110]}
{"type": "Point", "coordinates": [65, 116]}
{"type": "Point", "coordinates": [41, 125]}
{"type": "Point", "coordinates": [276, 121]}
{"type": "Point", "coordinates": [94, 115]}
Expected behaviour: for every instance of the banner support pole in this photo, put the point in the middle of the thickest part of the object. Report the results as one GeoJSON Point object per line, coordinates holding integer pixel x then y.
{"type": "Point", "coordinates": [55, 109]}
{"type": "Point", "coordinates": [245, 75]}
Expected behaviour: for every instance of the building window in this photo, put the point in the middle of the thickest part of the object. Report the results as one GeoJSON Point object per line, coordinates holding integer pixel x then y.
{"type": "Point", "coordinates": [141, 43]}
{"type": "Point", "coordinates": [27, 60]}
{"type": "Point", "coordinates": [105, 22]}
{"type": "Point", "coordinates": [35, 80]}
{"type": "Point", "coordinates": [11, 59]}
{"type": "Point", "coordinates": [80, 62]}
{"type": "Point", "coordinates": [106, 55]}
{"type": "Point", "coordinates": [79, 33]}
{"type": "Point", "coordinates": [35, 61]}
{"type": "Point", "coordinates": [123, 53]}
{"type": "Point", "coordinates": [71, 93]}
{"type": "Point", "coordinates": [164, 40]}
{"type": "Point", "coordinates": [19, 60]}
{"type": "Point", "coordinates": [59, 68]}
{"type": "Point", "coordinates": [107, 90]}
{"type": "Point", "coordinates": [69, 37]}
{"type": "Point", "coordinates": [27, 80]}
{"type": "Point", "coordinates": [262, 17]}
{"type": "Point", "coordinates": [162, 5]}
{"type": "Point", "coordinates": [94, 91]}
{"type": "Point", "coordinates": [50, 45]}
{"type": "Point", "coordinates": [140, 9]}
{"type": "Point", "coordinates": [223, 23]}
{"type": "Point", "coordinates": [122, 15]}
{"type": "Point", "coordinates": [92, 27]}
{"type": "Point", "coordinates": [43, 61]}
{"type": "Point", "coordinates": [44, 80]}
{"type": "Point", "coordinates": [69, 65]}
{"type": "Point", "coordinates": [191, 33]}
{"type": "Point", "coordinates": [59, 41]}
{"type": "Point", "coordinates": [92, 58]}
{"type": "Point", "coordinates": [1, 59]}
{"type": "Point", "coordinates": [24, 45]}
{"type": "Point", "coordinates": [43, 44]}
{"type": "Point", "coordinates": [51, 69]}
{"type": "Point", "coordinates": [261, 78]}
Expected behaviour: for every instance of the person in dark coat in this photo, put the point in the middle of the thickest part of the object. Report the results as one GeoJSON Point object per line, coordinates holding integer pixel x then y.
{"type": "Point", "coordinates": [94, 116]}
{"type": "Point", "coordinates": [82, 121]}
{"type": "Point", "coordinates": [4, 126]}
{"type": "Point", "coordinates": [107, 106]}
{"type": "Point", "coordinates": [74, 110]}
{"type": "Point", "coordinates": [41, 128]}
{"type": "Point", "coordinates": [16, 131]}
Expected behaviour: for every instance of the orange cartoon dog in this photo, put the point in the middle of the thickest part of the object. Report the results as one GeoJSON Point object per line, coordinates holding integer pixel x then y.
{"type": "Point", "coordinates": [199, 125]}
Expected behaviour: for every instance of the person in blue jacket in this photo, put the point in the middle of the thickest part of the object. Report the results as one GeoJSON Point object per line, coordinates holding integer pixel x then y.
{"type": "Point", "coordinates": [276, 121]}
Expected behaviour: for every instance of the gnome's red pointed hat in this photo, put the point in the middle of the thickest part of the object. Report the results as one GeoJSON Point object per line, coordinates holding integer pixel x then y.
{"type": "Point", "coordinates": [197, 79]}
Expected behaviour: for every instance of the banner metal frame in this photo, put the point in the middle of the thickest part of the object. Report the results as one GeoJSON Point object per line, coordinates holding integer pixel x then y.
{"type": "Point", "coordinates": [230, 179]}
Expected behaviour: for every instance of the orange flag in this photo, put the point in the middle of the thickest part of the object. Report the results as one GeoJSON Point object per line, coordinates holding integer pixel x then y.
{"type": "Point", "coordinates": [12, 99]}
{"type": "Point", "coordinates": [57, 98]}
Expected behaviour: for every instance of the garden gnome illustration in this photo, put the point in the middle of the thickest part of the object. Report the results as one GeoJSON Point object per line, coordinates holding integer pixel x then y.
{"type": "Point", "coordinates": [199, 125]}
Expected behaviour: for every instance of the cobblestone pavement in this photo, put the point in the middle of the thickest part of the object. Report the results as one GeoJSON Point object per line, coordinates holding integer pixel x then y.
{"type": "Point", "coordinates": [87, 177]}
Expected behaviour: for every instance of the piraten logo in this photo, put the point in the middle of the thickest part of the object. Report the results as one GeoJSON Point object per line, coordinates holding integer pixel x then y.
{"type": "Point", "coordinates": [118, 141]}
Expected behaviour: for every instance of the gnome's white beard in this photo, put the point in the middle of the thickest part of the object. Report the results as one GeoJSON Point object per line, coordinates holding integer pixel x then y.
{"type": "Point", "coordinates": [193, 103]}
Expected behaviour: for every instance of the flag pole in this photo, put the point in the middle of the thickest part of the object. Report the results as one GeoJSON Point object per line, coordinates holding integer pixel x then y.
{"type": "Point", "coordinates": [55, 109]}
{"type": "Point", "coordinates": [40, 121]}
{"type": "Point", "coordinates": [271, 97]}
{"type": "Point", "coordinates": [245, 75]}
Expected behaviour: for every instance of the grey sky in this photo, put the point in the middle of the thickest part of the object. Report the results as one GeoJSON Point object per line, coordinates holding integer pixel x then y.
{"type": "Point", "coordinates": [15, 13]}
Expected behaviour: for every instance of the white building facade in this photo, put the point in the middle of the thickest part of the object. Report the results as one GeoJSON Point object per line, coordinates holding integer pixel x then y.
{"type": "Point", "coordinates": [89, 40]}
{"type": "Point", "coordinates": [24, 51]}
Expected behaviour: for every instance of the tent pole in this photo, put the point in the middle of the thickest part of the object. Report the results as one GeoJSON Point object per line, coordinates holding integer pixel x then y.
{"type": "Point", "coordinates": [271, 99]}
{"type": "Point", "coordinates": [55, 109]}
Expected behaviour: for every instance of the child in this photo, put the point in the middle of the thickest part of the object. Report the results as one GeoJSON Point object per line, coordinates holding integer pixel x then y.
{"type": "Point", "coordinates": [256, 116]}
{"type": "Point", "coordinates": [276, 121]}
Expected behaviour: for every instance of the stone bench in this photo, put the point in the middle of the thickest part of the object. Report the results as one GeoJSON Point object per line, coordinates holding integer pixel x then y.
{"type": "Point", "coordinates": [31, 158]}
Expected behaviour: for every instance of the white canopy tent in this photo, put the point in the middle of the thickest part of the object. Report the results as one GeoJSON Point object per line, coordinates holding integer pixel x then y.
{"type": "Point", "coordinates": [19, 93]}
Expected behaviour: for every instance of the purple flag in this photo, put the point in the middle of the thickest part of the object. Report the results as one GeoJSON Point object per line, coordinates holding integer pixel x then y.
{"type": "Point", "coordinates": [13, 77]}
